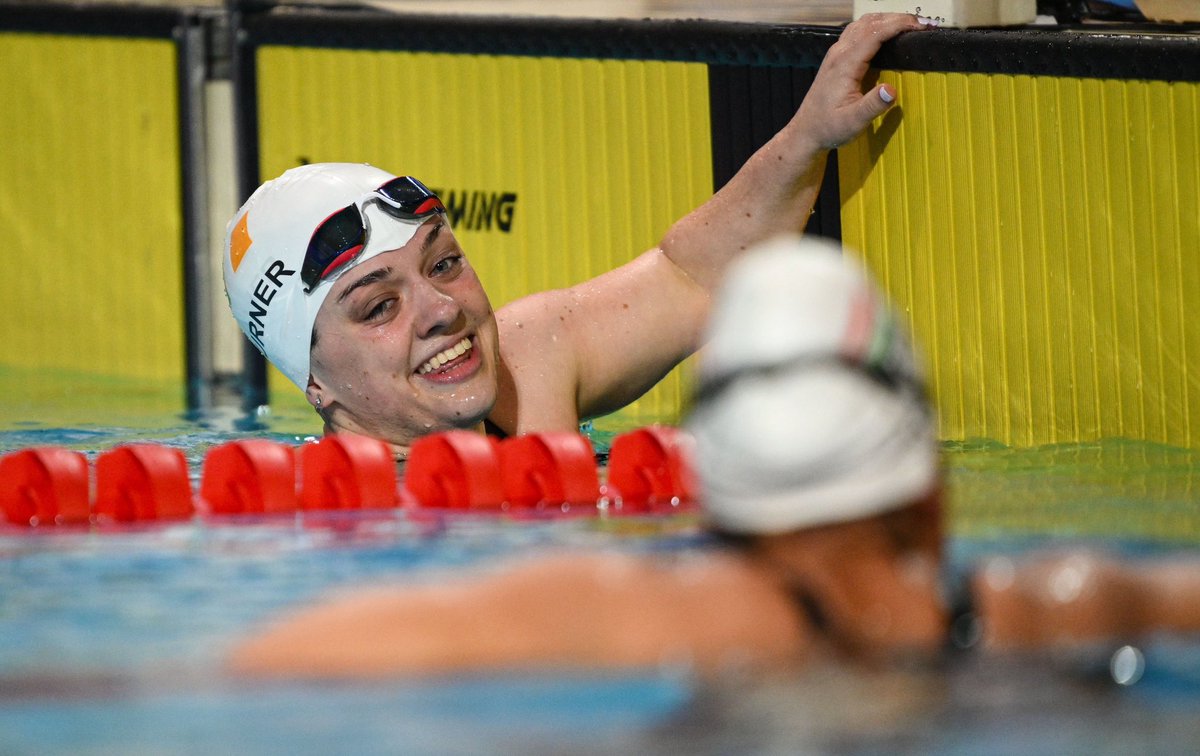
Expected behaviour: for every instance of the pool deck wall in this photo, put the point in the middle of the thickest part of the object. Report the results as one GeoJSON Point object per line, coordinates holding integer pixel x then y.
{"type": "Point", "coordinates": [90, 188]}
{"type": "Point", "coordinates": [1032, 206]}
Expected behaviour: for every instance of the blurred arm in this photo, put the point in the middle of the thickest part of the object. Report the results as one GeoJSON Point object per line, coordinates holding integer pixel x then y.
{"type": "Point", "coordinates": [595, 611]}
{"type": "Point", "coordinates": [1079, 598]}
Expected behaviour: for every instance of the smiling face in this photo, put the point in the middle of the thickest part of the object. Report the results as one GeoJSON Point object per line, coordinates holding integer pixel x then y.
{"type": "Point", "coordinates": [407, 343]}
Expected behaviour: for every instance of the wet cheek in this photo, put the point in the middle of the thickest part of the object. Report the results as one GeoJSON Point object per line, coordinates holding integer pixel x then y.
{"type": "Point", "coordinates": [358, 391]}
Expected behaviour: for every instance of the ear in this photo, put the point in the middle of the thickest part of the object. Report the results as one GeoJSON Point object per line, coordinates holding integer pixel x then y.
{"type": "Point", "coordinates": [315, 394]}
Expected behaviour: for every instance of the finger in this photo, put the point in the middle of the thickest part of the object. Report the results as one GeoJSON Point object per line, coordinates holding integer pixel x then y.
{"type": "Point", "coordinates": [875, 103]}
{"type": "Point", "coordinates": [871, 31]}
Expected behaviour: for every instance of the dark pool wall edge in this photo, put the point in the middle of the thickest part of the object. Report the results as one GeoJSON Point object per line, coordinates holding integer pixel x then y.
{"type": "Point", "coordinates": [1140, 52]}
{"type": "Point", "coordinates": [93, 20]}
{"type": "Point", "coordinates": [701, 41]}
{"type": "Point", "coordinates": [1131, 54]}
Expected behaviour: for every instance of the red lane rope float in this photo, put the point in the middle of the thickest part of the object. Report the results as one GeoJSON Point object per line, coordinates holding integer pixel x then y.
{"type": "Point", "coordinates": [250, 476]}
{"type": "Point", "coordinates": [455, 470]}
{"type": "Point", "coordinates": [549, 468]}
{"type": "Point", "coordinates": [651, 466]}
{"type": "Point", "coordinates": [142, 482]}
{"type": "Point", "coordinates": [346, 471]}
{"type": "Point", "coordinates": [44, 486]}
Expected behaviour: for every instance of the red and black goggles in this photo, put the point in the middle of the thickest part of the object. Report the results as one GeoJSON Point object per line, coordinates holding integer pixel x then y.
{"type": "Point", "coordinates": [341, 237]}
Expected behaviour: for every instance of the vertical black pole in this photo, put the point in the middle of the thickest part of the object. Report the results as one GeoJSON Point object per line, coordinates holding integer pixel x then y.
{"type": "Point", "coordinates": [191, 44]}
{"type": "Point", "coordinates": [254, 365]}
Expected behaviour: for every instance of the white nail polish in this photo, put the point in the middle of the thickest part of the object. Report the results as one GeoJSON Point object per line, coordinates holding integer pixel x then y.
{"type": "Point", "coordinates": [883, 95]}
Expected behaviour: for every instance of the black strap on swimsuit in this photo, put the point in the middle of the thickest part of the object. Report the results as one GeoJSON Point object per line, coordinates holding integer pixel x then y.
{"type": "Point", "coordinates": [493, 430]}
{"type": "Point", "coordinates": [964, 627]}
{"type": "Point", "coordinates": [811, 610]}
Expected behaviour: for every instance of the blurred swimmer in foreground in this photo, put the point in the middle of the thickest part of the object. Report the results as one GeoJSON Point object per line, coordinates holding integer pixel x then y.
{"type": "Point", "coordinates": [819, 472]}
{"type": "Point", "coordinates": [350, 280]}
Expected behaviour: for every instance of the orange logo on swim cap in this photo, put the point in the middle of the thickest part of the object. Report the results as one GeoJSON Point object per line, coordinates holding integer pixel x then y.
{"type": "Point", "coordinates": [239, 241]}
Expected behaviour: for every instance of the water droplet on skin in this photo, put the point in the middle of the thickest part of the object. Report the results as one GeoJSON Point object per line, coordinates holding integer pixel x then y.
{"type": "Point", "coordinates": [1127, 665]}
{"type": "Point", "coordinates": [1000, 573]}
{"type": "Point", "coordinates": [1067, 583]}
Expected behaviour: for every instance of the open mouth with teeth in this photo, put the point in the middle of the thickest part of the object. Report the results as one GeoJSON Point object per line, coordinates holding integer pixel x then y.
{"type": "Point", "coordinates": [447, 359]}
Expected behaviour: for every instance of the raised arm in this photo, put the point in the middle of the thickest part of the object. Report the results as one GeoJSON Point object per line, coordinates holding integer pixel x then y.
{"type": "Point", "coordinates": [774, 191]}
{"type": "Point", "coordinates": [629, 327]}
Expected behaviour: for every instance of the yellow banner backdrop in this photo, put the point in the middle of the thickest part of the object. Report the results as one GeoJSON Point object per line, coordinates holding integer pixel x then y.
{"type": "Point", "coordinates": [90, 206]}
{"type": "Point", "coordinates": [1041, 233]}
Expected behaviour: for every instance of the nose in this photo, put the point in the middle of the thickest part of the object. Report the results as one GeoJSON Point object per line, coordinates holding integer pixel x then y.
{"type": "Point", "coordinates": [436, 311]}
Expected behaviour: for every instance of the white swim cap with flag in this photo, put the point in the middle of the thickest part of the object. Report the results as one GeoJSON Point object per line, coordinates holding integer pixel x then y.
{"type": "Point", "coordinates": [811, 408]}
{"type": "Point", "coordinates": [267, 242]}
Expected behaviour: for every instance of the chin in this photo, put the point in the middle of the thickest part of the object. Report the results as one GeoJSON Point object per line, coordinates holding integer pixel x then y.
{"type": "Point", "coordinates": [466, 418]}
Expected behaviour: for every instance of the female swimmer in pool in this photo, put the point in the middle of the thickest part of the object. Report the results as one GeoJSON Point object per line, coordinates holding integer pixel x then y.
{"type": "Point", "coordinates": [352, 282]}
{"type": "Point", "coordinates": [816, 453]}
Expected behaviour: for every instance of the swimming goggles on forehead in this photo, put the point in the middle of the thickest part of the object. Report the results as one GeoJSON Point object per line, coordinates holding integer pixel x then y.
{"type": "Point", "coordinates": [341, 237]}
{"type": "Point", "coordinates": [883, 372]}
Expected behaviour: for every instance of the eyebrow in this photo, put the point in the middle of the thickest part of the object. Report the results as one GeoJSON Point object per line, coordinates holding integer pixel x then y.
{"type": "Point", "coordinates": [433, 235]}
{"type": "Point", "coordinates": [375, 275]}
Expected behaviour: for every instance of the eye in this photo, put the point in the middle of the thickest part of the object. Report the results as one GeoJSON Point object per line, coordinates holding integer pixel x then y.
{"type": "Point", "coordinates": [446, 265]}
{"type": "Point", "coordinates": [379, 310]}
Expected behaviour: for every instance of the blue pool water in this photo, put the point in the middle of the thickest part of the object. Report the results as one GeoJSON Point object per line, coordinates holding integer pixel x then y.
{"type": "Point", "coordinates": [111, 641]}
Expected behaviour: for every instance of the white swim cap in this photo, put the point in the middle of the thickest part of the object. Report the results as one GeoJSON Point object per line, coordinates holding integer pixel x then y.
{"type": "Point", "coordinates": [811, 409]}
{"type": "Point", "coordinates": [265, 244]}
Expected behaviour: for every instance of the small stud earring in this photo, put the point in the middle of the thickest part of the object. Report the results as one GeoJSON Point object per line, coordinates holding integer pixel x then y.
{"type": "Point", "coordinates": [318, 403]}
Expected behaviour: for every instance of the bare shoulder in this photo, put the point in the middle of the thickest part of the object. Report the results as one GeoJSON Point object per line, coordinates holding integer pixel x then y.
{"type": "Point", "coordinates": [597, 345]}
{"type": "Point", "coordinates": [532, 322]}
{"type": "Point", "coordinates": [538, 367]}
